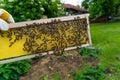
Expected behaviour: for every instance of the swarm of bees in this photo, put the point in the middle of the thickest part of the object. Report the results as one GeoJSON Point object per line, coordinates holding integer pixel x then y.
{"type": "Point", "coordinates": [55, 35]}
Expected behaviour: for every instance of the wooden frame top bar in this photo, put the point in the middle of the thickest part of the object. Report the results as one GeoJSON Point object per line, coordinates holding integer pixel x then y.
{"type": "Point", "coordinates": [65, 18]}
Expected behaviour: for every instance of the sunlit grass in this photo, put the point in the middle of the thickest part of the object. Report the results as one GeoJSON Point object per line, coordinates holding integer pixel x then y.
{"type": "Point", "coordinates": [107, 37]}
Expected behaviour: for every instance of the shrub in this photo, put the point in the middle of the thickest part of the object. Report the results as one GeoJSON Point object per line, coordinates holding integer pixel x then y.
{"type": "Point", "coordinates": [90, 73]}
{"type": "Point", "coordinates": [24, 10]}
{"type": "Point", "coordinates": [87, 51]}
{"type": "Point", "coordinates": [12, 71]}
{"type": "Point", "coordinates": [53, 8]}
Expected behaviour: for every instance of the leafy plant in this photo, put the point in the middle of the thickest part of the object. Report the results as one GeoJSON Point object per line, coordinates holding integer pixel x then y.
{"type": "Point", "coordinates": [12, 71]}
{"type": "Point", "coordinates": [87, 51]}
{"type": "Point", "coordinates": [56, 77]}
{"type": "Point", "coordinates": [53, 8]}
{"type": "Point", "coordinates": [63, 56]}
{"type": "Point", "coordinates": [46, 78]}
{"type": "Point", "coordinates": [24, 10]}
{"type": "Point", "coordinates": [90, 73]}
{"type": "Point", "coordinates": [114, 70]}
{"type": "Point", "coordinates": [101, 7]}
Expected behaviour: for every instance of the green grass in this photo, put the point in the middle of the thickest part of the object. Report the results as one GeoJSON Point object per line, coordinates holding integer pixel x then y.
{"type": "Point", "coordinates": [107, 37]}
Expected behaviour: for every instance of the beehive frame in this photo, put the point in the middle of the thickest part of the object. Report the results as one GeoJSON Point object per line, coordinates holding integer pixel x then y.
{"type": "Point", "coordinates": [47, 22]}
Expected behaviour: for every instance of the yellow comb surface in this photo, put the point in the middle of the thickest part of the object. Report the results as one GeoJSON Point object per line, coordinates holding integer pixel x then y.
{"type": "Point", "coordinates": [38, 38]}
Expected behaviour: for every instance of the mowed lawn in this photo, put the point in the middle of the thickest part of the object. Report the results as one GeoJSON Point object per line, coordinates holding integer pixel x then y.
{"type": "Point", "coordinates": [106, 36]}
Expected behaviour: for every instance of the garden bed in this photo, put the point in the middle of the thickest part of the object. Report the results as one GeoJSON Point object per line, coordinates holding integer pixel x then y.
{"type": "Point", "coordinates": [62, 67]}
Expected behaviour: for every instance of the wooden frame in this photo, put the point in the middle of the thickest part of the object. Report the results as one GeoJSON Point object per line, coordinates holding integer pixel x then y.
{"type": "Point", "coordinates": [22, 24]}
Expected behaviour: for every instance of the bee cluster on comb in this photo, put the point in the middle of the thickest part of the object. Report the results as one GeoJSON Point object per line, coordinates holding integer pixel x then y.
{"type": "Point", "coordinates": [55, 35]}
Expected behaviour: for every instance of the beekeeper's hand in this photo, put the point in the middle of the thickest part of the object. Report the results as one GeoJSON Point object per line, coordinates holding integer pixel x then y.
{"type": "Point", "coordinates": [5, 19]}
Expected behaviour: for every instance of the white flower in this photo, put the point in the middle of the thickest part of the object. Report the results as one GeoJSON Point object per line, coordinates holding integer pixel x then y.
{"type": "Point", "coordinates": [59, 8]}
{"type": "Point", "coordinates": [53, 0]}
{"type": "Point", "coordinates": [3, 5]}
{"type": "Point", "coordinates": [20, 3]}
{"type": "Point", "coordinates": [10, 0]}
{"type": "Point", "coordinates": [10, 6]}
{"type": "Point", "coordinates": [39, 2]}
{"type": "Point", "coordinates": [42, 9]}
{"type": "Point", "coordinates": [22, 16]}
{"type": "Point", "coordinates": [59, 5]}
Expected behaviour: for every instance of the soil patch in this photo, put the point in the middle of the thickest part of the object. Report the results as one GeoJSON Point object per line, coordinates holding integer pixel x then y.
{"type": "Point", "coordinates": [62, 67]}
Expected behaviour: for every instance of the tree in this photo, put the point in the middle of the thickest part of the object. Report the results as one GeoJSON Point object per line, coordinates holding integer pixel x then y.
{"type": "Point", "coordinates": [101, 7]}
{"type": "Point", "coordinates": [85, 4]}
{"type": "Point", "coordinates": [53, 8]}
{"type": "Point", "coordinates": [23, 10]}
